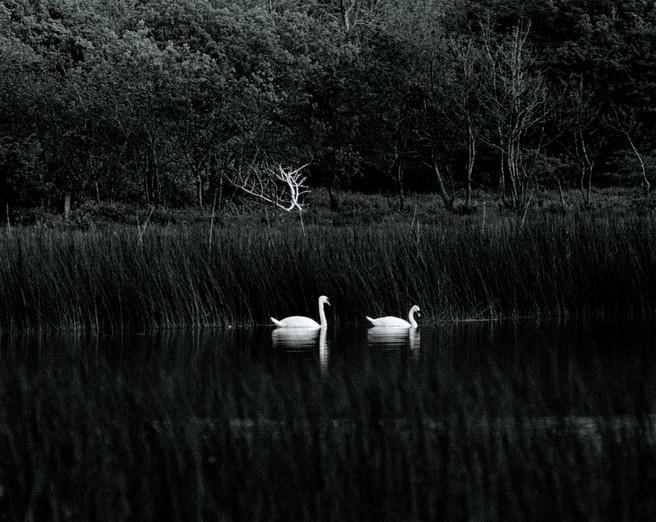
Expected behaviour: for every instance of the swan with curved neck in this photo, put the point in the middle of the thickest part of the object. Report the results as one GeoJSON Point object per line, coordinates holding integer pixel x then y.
{"type": "Point", "coordinates": [299, 321]}
{"type": "Point", "coordinates": [397, 322]}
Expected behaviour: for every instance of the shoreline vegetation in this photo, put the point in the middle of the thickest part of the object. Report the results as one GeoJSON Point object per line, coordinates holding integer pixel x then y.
{"type": "Point", "coordinates": [109, 268]}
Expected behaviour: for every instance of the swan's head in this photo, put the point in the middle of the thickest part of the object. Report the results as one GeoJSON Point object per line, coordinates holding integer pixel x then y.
{"type": "Point", "coordinates": [415, 310]}
{"type": "Point", "coordinates": [323, 300]}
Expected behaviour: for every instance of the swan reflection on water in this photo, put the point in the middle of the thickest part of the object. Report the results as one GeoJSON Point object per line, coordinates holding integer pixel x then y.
{"type": "Point", "coordinates": [393, 338]}
{"type": "Point", "coordinates": [302, 340]}
{"type": "Point", "coordinates": [295, 338]}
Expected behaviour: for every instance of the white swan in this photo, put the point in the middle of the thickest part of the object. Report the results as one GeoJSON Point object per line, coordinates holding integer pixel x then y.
{"type": "Point", "coordinates": [397, 322]}
{"type": "Point", "coordinates": [298, 321]}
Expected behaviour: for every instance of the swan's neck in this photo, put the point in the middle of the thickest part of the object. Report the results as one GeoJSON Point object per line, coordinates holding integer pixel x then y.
{"type": "Point", "coordinates": [322, 315]}
{"type": "Point", "coordinates": [411, 318]}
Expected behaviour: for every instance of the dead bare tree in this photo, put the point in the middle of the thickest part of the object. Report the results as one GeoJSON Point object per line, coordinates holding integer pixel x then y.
{"type": "Point", "coordinates": [583, 126]}
{"type": "Point", "coordinates": [463, 109]}
{"type": "Point", "coordinates": [517, 100]}
{"type": "Point", "coordinates": [627, 124]}
{"type": "Point", "coordinates": [353, 15]}
{"type": "Point", "coordinates": [645, 181]}
{"type": "Point", "coordinates": [282, 188]}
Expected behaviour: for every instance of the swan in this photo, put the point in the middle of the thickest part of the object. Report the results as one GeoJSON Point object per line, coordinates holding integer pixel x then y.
{"type": "Point", "coordinates": [397, 322]}
{"type": "Point", "coordinates": [298, 321]}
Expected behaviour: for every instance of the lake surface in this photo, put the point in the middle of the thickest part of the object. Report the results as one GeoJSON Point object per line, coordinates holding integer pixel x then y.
{"type": "Point", "coordinates": [552, 367]}
{"type": "Point", "coordinates": [508, 420]}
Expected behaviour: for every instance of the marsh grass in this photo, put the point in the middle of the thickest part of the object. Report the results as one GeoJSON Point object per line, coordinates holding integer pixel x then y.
{"type": "Point", "coordinates": [171, 276]}
{"type": "Point", "coordinates": [190, 432]}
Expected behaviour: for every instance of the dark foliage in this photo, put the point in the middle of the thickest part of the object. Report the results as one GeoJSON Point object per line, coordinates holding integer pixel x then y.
{"type": "Point", "coordinates": [164, 103]}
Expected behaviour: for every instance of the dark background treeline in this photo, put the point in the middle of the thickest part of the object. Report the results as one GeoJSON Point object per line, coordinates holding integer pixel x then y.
{"type": "Point", "coordinates": [160, 102]}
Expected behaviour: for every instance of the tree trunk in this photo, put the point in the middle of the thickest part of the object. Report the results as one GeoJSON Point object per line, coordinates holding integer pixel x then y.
{"type": "Point", "coordinates": [471, 157]}
{"type": "Point", "coordinates": [67, 205]}
{"type": "Point", "coordinates": [645, 181]}
{"type": "Point", "coordinates": [585, 183]}
{"type": "Point", "coordinates": [446, 199]}
{"type": "Point", "coordinates": [561, 192]}
{"type": "Point", "coordinates": [334, 203]}
{"type": "Point", "coordinates": [399, 177]}
{"type": "Point", "coordinates": [221, 189]}
{"type": "Point", "coordinates": [199, 190]}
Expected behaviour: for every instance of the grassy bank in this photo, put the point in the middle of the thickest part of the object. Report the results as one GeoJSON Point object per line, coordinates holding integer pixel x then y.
{"type": "Point", "coordinates": [242, 270]}
{"type": "Point", "coordinates": [184, 432]}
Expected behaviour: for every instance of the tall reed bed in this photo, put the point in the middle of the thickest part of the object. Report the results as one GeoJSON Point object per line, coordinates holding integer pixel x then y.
{"type": "Point", "coordinates": [186, 433]}
{"type": "Point", "coordinates": [168, 277]}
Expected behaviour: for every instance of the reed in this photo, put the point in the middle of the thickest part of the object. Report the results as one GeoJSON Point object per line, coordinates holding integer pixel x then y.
{"type": "Point", "coordinates": [174, 276]}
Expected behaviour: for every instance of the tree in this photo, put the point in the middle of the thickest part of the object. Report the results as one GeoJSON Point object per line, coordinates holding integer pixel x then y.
{"type": "Point", "coordinates": [391, 104]}
{"type": "Point", "coordinates": [516, 98]}
{"type": "Point", "coordinates": [584, 132]}
{"type": "Point", "coordinates": [283, 188]}
{"type": "Point", "coordinates": [624, 121]}
{"type": "Point", "coordinates": [456, 114]}
{"type": "Point", "coordinates": [22, 173]}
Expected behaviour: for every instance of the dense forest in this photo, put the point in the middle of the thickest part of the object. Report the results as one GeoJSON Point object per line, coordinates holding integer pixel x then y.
{"type": "Point", "coordinates": [193, 102]}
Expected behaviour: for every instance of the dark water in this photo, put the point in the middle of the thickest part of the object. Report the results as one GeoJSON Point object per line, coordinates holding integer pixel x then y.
{"type": "Point", "coordinates": [549, 367]}
{"type": "Point", "coordinates": [511, 420]}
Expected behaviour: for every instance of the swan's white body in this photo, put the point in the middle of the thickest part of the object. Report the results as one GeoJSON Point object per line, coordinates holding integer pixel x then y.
{"type": "Point", "coordinates": [397, 322]}
{"type": "Point", "coordinates": [299, 321]}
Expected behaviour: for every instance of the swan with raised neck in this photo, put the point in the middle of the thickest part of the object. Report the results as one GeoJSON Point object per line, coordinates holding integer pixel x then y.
{"type": "Point", "coordinates": [299, 321]}
{"type": "Point", "coordinates": [397, 322]}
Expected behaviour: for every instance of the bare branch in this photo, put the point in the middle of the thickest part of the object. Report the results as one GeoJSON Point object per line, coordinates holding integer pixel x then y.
{"type": "Point", "coordinates": [282, 188]}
